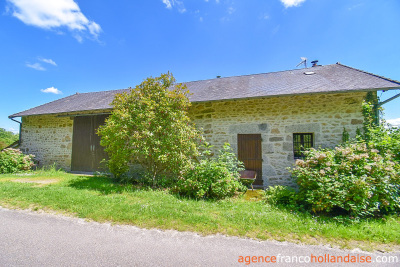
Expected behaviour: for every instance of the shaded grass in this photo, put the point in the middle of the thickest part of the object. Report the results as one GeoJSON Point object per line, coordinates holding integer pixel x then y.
{"type": "Point", "coordinates": [100, 199]}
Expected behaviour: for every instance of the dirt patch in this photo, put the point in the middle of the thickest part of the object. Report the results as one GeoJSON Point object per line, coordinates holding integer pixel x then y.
{"type": "Point", "coordinates": [254, 195]}
{"type": "Point", "coordinates": [39, 182]}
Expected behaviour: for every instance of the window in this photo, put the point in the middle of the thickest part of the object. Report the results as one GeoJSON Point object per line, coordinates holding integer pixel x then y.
{"type": "Point", "coordinates": [302, 141]}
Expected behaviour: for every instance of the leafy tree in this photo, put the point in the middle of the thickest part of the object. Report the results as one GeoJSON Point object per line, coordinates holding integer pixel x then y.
{"type": "Point", "coordinates": [7, 138]}
{"type": "Point", "coordinates": [150, 126]}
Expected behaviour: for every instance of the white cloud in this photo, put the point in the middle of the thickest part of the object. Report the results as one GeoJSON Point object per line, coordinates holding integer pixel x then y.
{"type": "Point", "coordinates": [171, 3]}
{"type": "Point", "coordinates": [355, 6]}
{"type": "Point", "coordinates": [78, 38]}
{"type": "Point", "coordinates": [265, 16]}
{"type": "Point", "coordinates": [53, 14]}
{"type": "Point", "coordinates": [51, 90]}
{"type": "Point", "coordinates": [167, 3]}
{"type": "Point", "coordinates": [292, 3]}
{"type": "Point", "coordinates": [394, 122]}
{"type": "Point", "coordinates": [48, 61]}
{"type": "Point", "coordinates": [13, 130]}
{"type": "Point", "coordinates": [36, 66]}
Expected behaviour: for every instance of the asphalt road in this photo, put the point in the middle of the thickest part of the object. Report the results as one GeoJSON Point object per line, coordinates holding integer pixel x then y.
{"type": "Point", "coordinates": [39, 239]}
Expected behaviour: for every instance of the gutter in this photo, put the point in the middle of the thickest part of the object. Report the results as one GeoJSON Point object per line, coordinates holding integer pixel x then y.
{"type": "Point", "coordinates": [20, 128]}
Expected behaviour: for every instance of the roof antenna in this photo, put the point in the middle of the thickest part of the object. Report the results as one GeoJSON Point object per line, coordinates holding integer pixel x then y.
{"type": "Point", "coordinates": [303, 61]}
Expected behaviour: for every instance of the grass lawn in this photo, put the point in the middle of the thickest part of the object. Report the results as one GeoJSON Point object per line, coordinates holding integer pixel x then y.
{"type": "Point", "coordinates": [99, 199]}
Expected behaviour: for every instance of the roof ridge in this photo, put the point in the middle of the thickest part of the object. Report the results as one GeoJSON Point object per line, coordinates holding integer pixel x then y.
{"type": "Point", "coordinates": [257, 74]}
{"type": "Point", "coordinates": [369, 73]}
{"type": "Point", "coordinates": [77, 93]}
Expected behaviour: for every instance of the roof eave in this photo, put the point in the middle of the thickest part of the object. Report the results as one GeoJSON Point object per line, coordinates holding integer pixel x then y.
{"type": "Point", "coordinates": [66, 113]}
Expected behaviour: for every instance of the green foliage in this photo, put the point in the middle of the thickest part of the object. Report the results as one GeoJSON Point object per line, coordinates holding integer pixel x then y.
{"type": "Point", "coordinates": [12, 161]}
{"type": "Point", "coordinates": [7, 138]}
{"type": "Point", "coordinates": [345, 136]}
{"type": "Point", "coordinates": [382, 137]}
{"type": "Point", "coordinates": [369, 120]}
{"type": "Point", "coordinates": [229, 159]}
{"type": "Point", "coordinates": [150, 126]}
{"type": "Point", "coordinates": [361, 177]}
{"type": "Point", "coordinates": [214, 178]}
{"type": "Point", "coordinates": [352, 177]}
{"type": "Point", "coordinates": [372, 99]}
{"type": "Point", "coordinates": [358, 132]}
{"type": "Point", "coordinates": [281, 195]}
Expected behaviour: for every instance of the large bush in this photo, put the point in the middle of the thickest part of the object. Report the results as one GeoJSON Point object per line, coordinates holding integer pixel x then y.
{"type": "Point", "coordinates": [12, 160]}
{"type": "Point", "coordinates": [354, 177]}
{"type": "Point", "coordinates": [150, 126]}
{"type": "Point", "coordinates": [214, 178]}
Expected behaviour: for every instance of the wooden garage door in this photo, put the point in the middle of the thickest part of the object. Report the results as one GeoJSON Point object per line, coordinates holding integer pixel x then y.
{"type": "Point", "coordinates": [87, 153]}
{"type": "Point", "coordinates": [249, 151]}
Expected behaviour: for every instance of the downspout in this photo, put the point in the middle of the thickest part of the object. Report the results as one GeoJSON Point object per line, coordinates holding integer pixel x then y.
{"type": "Point", "coordinates": [20, 128]}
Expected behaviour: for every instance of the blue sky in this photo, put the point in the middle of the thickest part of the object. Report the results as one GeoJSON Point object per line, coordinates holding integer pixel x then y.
{"type": "Point", "coordinates": [52, 49]}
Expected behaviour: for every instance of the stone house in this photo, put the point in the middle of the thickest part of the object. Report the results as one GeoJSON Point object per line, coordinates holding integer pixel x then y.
{"type": "Point", "coordinates": [266, 118]}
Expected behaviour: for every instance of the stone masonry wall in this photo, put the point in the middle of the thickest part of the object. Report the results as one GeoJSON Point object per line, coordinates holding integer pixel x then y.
{"type": "Point", "coordinates": [276, 119]}
{"type": "Point", "coordinates": [49, 138]}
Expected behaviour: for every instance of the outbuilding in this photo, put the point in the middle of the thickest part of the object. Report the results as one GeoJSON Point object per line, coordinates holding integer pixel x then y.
{"type": "Point", "coordinates": [266, 118]}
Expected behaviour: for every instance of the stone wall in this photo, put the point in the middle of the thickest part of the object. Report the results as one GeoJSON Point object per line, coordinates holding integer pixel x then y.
{"type": "Point", "coordinates": [276, 119]}
{"type": "Point", "coordinates": [49, 138]}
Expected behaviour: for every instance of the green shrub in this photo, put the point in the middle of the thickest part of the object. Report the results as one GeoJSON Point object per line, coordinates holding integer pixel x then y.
{"type": "Point", "coordinates": [208, 179]}
{"type": "Point", "coordinates": [385, 139]}
{"type": "Point", "coordinates": [281, 195]}
{"type": "Point", "coordinates": [214, 178]}
{"type": "Point", "coordinates": [150, 126]}
{"type": "Point", "coordinates": [7, 138]}
{"type": "Point", "coordinates": [382, 137]}
{"type": "Point", "coordinates": [352, 177]}
{"type": "Point", "coordinates": [12, 161]}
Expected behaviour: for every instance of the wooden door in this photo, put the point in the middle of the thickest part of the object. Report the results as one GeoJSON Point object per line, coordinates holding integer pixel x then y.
{"type": "Point", "coordinates": [99, 153]}
{"type": "Point", "coordinates": [81, 144]}
{"type": "Point", "coordinates": [249, 152]}
{"type": "Point", "coordinates": [87, 153]}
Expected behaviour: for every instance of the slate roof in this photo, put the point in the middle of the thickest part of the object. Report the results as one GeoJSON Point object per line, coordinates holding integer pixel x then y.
{"type": "Point", "coordinates": [333, 78]}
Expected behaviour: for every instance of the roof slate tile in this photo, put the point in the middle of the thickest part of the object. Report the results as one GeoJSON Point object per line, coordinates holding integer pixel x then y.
{"type": "Point", "coordinates": [326, 79]}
